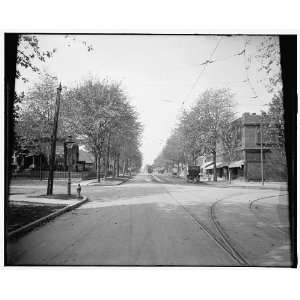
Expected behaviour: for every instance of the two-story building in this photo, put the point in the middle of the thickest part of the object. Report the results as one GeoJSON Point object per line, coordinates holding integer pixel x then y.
{"type": "Point", "coordinates": [249, 155]}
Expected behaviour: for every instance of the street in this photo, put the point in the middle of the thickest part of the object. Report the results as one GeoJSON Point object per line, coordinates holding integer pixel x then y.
{"type": "Point", "coordinates": [154, 220]}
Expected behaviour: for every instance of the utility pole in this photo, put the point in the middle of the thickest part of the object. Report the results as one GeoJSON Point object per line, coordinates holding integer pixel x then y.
{"type": "Point", "coordinates": [69, 153]}
{"type": "Point", "coordinates": [41, 175]}
{"type": "Point", "coordinates": [261, 150]}
{"type": "Point", "coordinates": [53, 143]}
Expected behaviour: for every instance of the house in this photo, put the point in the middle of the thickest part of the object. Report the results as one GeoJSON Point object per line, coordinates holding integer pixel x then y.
{"type": "Point", "coordinates": [29, 159]}
{"type": "Point", "coordinates": [86, 159]}
{"type": "Point", "coordinates": [246, 162]}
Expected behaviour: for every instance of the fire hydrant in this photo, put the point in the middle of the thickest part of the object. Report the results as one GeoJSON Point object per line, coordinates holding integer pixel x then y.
{"type": "Point", "coordinates": [78, 190]}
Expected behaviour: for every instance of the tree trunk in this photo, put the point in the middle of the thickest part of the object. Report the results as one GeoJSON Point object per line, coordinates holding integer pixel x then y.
{"type": "Point", "coordinates": [105, 165]}
{"type": "Point", "coordinates": [53, 143]}
{"type": "Point", "coordinates": [229, 175]}
{"type": "Point", "coordinates": [106, 159]}
{"type": "Point", "coordinates": [124, 162]}
{"type": "Point", "coordinates": [114, 167]}
{"type": "Point", "coordinates": [215, 165]}
{"type": "Point", "coordinates": [118, 164]}
{"type": "Point", "coordinates": [41, 174]}
{"type": "Point", "coordinates": [129, 166]}
{"type": "Point", "coordinates": [194, 159]}
{"type": "Point", "coordinates": [178, 169]}
{"type": "Point", "coordinates": [98, 167]}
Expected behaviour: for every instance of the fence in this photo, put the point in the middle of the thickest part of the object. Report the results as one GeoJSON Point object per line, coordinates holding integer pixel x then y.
{"type": "Point", "coordinates": [36, 174]}
{"type": "Point", "coordinates": [44, 174]}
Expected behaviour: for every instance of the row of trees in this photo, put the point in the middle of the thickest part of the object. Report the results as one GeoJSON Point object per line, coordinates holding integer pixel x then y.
{"type": "Point", "coordinates": [200, 129]}
{"type": "Point", "coordinates": [96, 112]}
{"type": "Point", "coordinates": [210, 123]}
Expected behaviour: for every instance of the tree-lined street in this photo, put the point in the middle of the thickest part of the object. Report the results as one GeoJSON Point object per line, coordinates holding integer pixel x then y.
{"type": "Point", "coordinates": [176, 172]}
{"type": "Point", "coordinates": [151, 220]}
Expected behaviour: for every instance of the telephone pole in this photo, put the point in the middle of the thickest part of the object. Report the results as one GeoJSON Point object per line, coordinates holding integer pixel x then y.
{"type": "Point", "coordinates": [53, 143]}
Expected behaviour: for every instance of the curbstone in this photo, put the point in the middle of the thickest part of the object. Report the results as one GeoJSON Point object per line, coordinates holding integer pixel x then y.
{"type": "Point", "coordinates": [124, 181]}
{"type": "Point", "coordinates": [247, 186]}
{"type": "Point", "coordinates": [22, 230]}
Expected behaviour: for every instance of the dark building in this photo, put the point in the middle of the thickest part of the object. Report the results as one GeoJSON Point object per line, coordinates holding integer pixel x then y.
{"type": "Point", "coordinates": [30, 159]}
{"type": "Point", "coordinates": [246, 160]}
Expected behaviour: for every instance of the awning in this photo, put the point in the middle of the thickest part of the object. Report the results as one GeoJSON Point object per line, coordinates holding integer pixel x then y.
{"type": "Point", "coordinates": [218, 165]}
{"type": "Point", "coordinates": [236, 164]}
{"type": "Point", "coordinates": [206, 164]}
{"type": "Point", "coordinates": [222, 164]}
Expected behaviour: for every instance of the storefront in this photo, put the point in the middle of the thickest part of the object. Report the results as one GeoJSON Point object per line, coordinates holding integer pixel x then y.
{"type": "Point", "coordinates": [237, 169]}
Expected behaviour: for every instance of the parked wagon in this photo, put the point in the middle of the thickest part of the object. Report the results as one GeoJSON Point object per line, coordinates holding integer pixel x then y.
{"type": "Point", "coordinates": [193, 173]}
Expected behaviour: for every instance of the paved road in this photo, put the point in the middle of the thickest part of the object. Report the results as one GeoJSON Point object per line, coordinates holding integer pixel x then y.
{"type": "Point", "coordinates": [151, 220]}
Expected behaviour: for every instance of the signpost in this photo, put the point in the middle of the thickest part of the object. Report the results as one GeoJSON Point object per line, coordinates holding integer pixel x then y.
{"type": "Point", "coordinates": [69, 160]}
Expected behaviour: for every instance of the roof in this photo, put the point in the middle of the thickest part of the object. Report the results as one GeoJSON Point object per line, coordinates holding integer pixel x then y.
{"type": "Point", "coordinates": [218, 165]}
{"type": "Point", "coordinates": [236, 164]}
{"type": "Point", "coordinates": [205, 165]}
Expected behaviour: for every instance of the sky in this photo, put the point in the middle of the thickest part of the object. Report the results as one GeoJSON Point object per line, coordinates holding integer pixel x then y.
{"type": "Point", "coordinates": [162, 75]}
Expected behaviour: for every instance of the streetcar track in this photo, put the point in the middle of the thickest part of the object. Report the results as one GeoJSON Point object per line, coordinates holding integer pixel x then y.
{"type": "Point", "coordinates": [265, 220]}
{"type": "Point", "coordinates": [257, 199]}
{"type": "Point", "coordinates": [225, 236]}
{"type": "Point", "coordinates": [222, 241]}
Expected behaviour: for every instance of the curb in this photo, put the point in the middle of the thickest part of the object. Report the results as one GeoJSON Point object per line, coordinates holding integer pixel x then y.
{"type": "Point", "coordinates": [97, 184]}
{"type": "Point", "coordinates": [124, 181]}
{"type": "Point", "coordinates": [247, 187]}
{"type": "Point", "coordinates": [22, 230]}
{"type": "Point", "coordinates": [222, 185]}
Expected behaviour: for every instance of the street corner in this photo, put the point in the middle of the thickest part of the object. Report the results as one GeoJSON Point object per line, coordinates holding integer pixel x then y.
{"type": "Point", "coordinates": [28, 213]}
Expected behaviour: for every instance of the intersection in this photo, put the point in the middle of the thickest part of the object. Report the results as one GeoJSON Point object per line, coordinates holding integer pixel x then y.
{"type": "Point", "coordinates": [152, 220]}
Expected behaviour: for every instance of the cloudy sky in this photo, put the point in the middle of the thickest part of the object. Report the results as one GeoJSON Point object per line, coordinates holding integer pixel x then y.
{"type": "Point", "coordinates": [160, 74]}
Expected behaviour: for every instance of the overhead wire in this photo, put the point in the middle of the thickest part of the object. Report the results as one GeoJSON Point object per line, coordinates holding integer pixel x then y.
{"type": "Point", "coordinates": [247, 66]}
{"type": "Point", "coordinates": [224, 58]}
{"type": "Point", "coordinates": [202, 71]}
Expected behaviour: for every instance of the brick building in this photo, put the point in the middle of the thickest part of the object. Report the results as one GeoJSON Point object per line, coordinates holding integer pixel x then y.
{"type": "Point", "coordinates": [246, 161]}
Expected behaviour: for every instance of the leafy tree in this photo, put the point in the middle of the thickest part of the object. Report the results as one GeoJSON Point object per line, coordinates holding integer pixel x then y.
{"type": "Point", "coordinates": [28, 50]}
{"type": "Point", "coordinates": [269, 63]}
{"type": "Point", "coordinates": [29, 53]}
{"type": "Point", "coordinates": [200, 129]}
{"type": "Point", "coordinates": [275, 128]}
{"type": "Point", "coordinates": [101, 115]}
{"type": "Point", "coordinates": [173, 152]}
{"type": "Point", "coordinates": [35, 116]}
{"type": "Point", "coordinates": [231, 139]}
{"type": "Point", "coordinates": [274, 132]}
{"type": "Point", "coordinates": [214, 112]}
{"type": "Point", "coordinates": [191, 136]}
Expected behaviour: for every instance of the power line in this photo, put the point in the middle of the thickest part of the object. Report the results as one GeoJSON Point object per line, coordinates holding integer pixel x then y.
{"type": "Point", "coordinates": [202, 72]}
{"type": "Point", "coordinates": [247, 68]}
{"type": "Point", "coordinates": [246, 65]}
{"type": "Point", "coordinates": [223, 59]}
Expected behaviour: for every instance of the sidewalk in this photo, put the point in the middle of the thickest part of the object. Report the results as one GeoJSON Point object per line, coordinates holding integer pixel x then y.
{"type": "Point", "coordinates": [33, 198]}
{"type": "Point", "coordinates": [30, 208]}
{"type": "Point", "coordinates": [107, 182]}
{"type": "Point", "coordinates": [249, 184]}
{"type": "Point", "coordinates": [238, 183]}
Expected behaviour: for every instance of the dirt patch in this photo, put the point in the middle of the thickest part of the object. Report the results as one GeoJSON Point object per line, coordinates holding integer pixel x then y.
{"type": "Point", "coordinates": [20, 214]}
